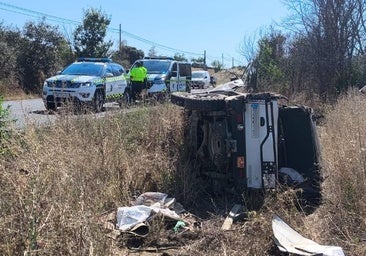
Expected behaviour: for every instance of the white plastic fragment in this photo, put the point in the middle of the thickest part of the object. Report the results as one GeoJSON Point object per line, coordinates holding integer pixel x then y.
{"type": "Point", "coordinates": [288, 240]}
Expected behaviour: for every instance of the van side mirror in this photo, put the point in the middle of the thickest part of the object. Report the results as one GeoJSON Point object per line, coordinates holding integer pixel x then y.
{"type": "Point", "coordinates": [174, 73]}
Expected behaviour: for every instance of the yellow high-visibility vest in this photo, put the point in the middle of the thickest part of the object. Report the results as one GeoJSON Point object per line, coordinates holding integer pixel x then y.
{"type": "Point", "coordinates": [138, 74]}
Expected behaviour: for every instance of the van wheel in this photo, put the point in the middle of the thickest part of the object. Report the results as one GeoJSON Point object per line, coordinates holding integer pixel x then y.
{"type": "Point", "coordinates": [205, 102]}
{"type": "Point", "coordinates": [98, 102]}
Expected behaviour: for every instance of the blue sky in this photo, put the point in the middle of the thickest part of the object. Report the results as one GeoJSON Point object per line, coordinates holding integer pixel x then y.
{"type": "Point", "coordinates": [187, 27]}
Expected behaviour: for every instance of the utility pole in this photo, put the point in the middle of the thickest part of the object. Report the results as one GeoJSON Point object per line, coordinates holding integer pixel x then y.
{"type": "Point", "coordinates": [222, 59]}
{"type": "Point", "coordinates": [232, 62]}
{"type": "Point", "coordinates": [120, 37]}
{"type": "Point", "coordinates": [204, 57]}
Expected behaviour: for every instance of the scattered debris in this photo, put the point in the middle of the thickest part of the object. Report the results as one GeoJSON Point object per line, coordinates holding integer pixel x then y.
{"type": "Point", "coordinates": [363, 90]}
{"type": "Point", "coordinates": [134, 219]}
{"type": "Point", "coordinates": [234, 213]}
{"type": "Point", "coordinates": [180, 225]}
{"type": "Point", "coordinates": [288, 240]}
{"type": "Point", "coordinates": [134, 227]}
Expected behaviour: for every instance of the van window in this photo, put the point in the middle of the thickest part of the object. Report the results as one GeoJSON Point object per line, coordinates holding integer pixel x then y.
{"type": "Point", "coordinates": [156, 66]}
{"type": "Point", "coordinates": [175, 67]}
{"type": "Point", "coordinates": [185, 69]}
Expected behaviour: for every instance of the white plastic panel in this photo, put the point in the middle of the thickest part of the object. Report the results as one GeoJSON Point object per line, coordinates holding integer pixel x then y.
{"type": "Point", "coordinates": [259, 131]}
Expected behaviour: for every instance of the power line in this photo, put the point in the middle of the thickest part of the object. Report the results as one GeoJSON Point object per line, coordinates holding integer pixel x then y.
{"type": "Point", "coordinates": [36, 14]}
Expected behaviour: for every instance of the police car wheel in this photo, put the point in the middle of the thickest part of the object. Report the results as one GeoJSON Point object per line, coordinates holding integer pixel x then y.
{"type": "Point", "coordinates": [126, 100]}
{"type": "Point", "coordinates": [98, 102]}
{"type": "Point", "coordinates": [51, 106]}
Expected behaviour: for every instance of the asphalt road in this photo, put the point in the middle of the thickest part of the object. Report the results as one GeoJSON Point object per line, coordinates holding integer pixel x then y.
{"type": "Point", "coordinates": [23, 112]}
{"type": "Point", "coordinates": [33, 112]}
{"type": "Point", "coordinates": [28, 112]}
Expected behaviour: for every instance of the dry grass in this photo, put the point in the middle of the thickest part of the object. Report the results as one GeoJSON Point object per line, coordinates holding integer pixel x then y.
{"type": "Point", "coordinates": [11, 90]}
{"type": "Point", "coordinates": [343, 140]}
{"type": "Point", "coordinates": [61, 179]}
{"type": "Point", "coordinates": [58, 181]}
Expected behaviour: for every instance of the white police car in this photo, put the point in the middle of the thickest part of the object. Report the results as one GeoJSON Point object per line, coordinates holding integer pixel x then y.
{"type": "Point", "coordinates": [86, 82]}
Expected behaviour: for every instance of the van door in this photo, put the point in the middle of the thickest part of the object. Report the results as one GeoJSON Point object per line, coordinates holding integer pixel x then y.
{"type": "Point", "coordinates": [261, 143]}
{"type": "Point", "coordinates": [181, 74]}
{"type": "Point", "coordinates": [174, 79]}
{"type": "Point", "coordinates": [185, 73]}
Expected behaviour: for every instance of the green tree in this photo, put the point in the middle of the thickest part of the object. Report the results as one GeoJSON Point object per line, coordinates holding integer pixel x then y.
{"type": "Point", "coordinates": [152, 52]}
{"type": "Point", "coordinates": [89, 36]}
{"type": "Point", "coordinates": [180, 57]}
{"type": "Point", "coordinates": [9, 47]}
{"type": "Point", "coordinates": [217, 65]}
{"type": "Point", "coordinates": [198, 60]}
{"type": "Point", "coordinates": [267, 70]}
{"type": "Point", "coordinates": [127, 55]}
{"type": "Point", "coordinates": [40, 55]}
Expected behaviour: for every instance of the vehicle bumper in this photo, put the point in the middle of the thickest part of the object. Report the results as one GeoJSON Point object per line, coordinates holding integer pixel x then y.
{"type": "Point", "coordinates": [59, 96]}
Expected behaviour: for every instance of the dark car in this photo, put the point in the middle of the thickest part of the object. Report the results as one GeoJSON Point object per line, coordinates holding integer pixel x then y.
{"type": "Point", "coordinates": [252, 142]}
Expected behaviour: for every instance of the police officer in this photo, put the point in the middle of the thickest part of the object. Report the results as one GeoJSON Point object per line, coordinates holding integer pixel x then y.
{"type": "Point", "coordinates": [138, 75]}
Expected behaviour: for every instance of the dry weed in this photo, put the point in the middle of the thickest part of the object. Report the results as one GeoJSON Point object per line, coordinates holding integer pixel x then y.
{"type": "Point", "coordinates": [343, 141]}
{"type": "Point", "coordinates": [59, 180]}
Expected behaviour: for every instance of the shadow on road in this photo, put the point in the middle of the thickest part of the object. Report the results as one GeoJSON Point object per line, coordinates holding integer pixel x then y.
{"type": "Point", "coordinates": [42, 112]}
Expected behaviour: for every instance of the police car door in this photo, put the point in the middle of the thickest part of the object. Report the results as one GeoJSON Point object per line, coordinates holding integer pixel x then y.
{"type": "Point", "coordinates": [108, 81]}
{"type": "Point", "coordinates": [120, 82]}
{"type": "Point", "coordinates": [111, 83]}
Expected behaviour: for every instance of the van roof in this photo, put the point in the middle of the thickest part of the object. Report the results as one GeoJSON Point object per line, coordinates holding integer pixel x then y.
{"type": "Point", "coordinates": [159, 58]}
{"type": "Point", "coordinates": [167, 59]}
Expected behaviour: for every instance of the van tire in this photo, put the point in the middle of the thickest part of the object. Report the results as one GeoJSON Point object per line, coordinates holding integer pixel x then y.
{"type": "Point", "coordinates": [205, 102]}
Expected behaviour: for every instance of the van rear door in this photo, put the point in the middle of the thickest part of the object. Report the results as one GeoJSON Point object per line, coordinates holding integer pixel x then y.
{"type": "Point", "coordinates": [181, 75]}
{"type": "Point", "coordinates": [261, 117]}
